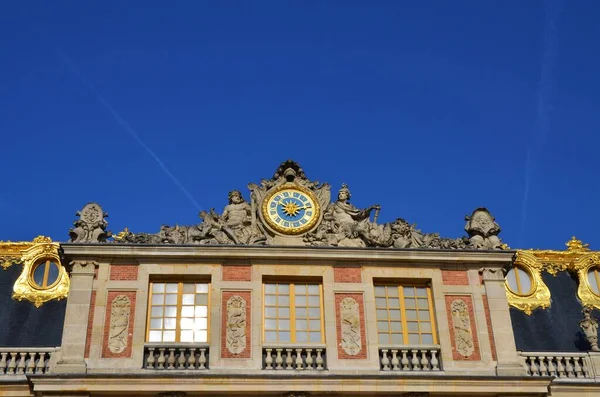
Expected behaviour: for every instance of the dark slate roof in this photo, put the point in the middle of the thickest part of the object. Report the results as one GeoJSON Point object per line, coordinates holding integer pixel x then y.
{"type": "Point", "coordinates": [24, 325]}
{"type": "Point", "coordinates": [555, 329]}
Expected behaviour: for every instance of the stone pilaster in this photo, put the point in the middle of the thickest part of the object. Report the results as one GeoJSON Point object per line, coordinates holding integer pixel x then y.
{"type": "Point", "coordinates": [504, 339]}
{"type": "Point", "coordinates": [76, 318]}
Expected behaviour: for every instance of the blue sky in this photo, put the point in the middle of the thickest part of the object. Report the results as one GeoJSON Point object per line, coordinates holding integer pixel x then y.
{"type": "Point", "coordinates": [429, 108]}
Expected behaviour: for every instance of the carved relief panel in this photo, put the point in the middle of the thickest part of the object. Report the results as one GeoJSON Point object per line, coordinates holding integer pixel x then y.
{"type": "Point", "coordinates": [236, 324]}
{"type": "Point", "coordinates": [463, 332]}
{"type": "Point", "coordinates": [119, 324]}
{"type": "Point", "coordinates": [350, 325]}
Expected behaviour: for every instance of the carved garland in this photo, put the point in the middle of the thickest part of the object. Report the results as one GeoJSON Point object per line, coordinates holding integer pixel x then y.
{"type": "Point", "coordinates": [461, 322]}
{"type": "Point", "coordinates": [119, 324]}
{"type": "Point", "coordinates": [350, 319]}
{"type": "Point", "coordinates": [539, 295]}
{"type": "Point", "coordinates": [236, 324]}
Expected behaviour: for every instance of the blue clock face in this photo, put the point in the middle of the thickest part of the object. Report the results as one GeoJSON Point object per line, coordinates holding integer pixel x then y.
{"type": "Point", "coordinates": [291, 210]}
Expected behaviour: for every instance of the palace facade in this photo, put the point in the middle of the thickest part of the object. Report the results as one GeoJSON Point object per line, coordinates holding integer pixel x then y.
{"type": "Point", "coordinates": [294, 292]}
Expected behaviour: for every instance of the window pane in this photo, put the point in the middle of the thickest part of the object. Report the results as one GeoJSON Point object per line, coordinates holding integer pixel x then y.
{"type": "Point", "coordinates": [300, 300]}
{"type": "Point", "coordinates": [270, 300]}
{"type": "Point", "coordinates": [313, 289]}
{"type": "Point", "coordinates": [423, 304]}
{"type": "Point", "coordinates": [421, 292]}
{"type": "Point", "coordinates": [392, 292]}
{"type": "Point", "coordinates": [158, 299]}
{"type": "Point", "coordinates": [169, 336]}
{"type": "Point", "coordinates": [397, 339]}
{"type": "Point", "coordinates": [187, 336]}
{"type": "Point", "coordinates": [413, 339]}
{"type": "Point", "coordinates": [382, 314]}
{"type": "Point", "coordinates": [157, 311]}
{"type": "Point", "coordinates": [201, 299]}
{"type": "Point", "coordinates": [201, 288]}
{"type": "Point", "coordinates": [283, 289]}
{"type": "Point", "coordinates": [314, 312]}
{"type": "Point", "coordinates": [188, 299]}
{"type": "Point", "coordinates": [300, 289]}
{"type": "Point", "coordinates": [315, 337]}
{"type": "Point", "coordinates": [284, 300]}
{"type": "Point", "coordinates": [395, 314]}
{"type": "Point", "coordinates": [384, 339]}
{"type": "Point", "coordinates": [524, 280]}
{"type": "Point", "coordinates": [170, 323]}
{"type": "Point", "coordinates": [171, 299]}
{"type": "Point", "coordinates": [425, 327]}
{"type": "Point", "coordinates": [409, 303]}
{"type": "Point", "coordinates": [155, 336]}
{"type": "Point", "coordinates": [411, 315]}
{"type": "Point", "coordinates": [270, 324]}
{"type": "Point", "coordinates": [393, 303]}
{"type": "Point", "coordinates": [381, 302]}
{"type": "Point", "coordinates": [396, 326]}
{"type": "Point", "coordinates": [187, 311]}
{"type": "Point", "coordinates": [315, 325]}
{"type": "Point", "coordinates": [270, 336]}
{"type": "Point", "coordinates": [200, 336]}
{"type": "Point", "coordinates": [301, 337]}
{"type": "Point", "coordinates": [379, 291]}
{"type": "Point", "coordinates": [409, 291]}
{"type": "Point", "coordinates": [284, 312]}
{"type": "Point", "coordinates": [170, 311]}
{"type": "Point", "coordinates": [284, 325]}
{"type": "Point", "coordinates": [301, 324]}
{"type": "Point", "coordinates": [172, 287]}
{"type": "Point", "coordinates": [313, 300]}
{"type": "Point", "coordinates": [201, 311]}
{"type": "Point", "coordinates": [382, 326]}
{"type": "Point", "coordinates": [511, 278]}
{"type": "Point", "coordinates": [156, 323]}
{"type": "Point", "coordinates": [284, 336]}
{"type": "Point", "coordinates": [427, 339]}
{"type": "Point", "coordinates": [270, 288]}
{"type": "Point", "coordinates": [158, 288]}
{"type": "Point", "coordinates": [270, 312]}
{"type": "Point", "coordinates": [412, 326]}
{"type": "Point", "coordinates": [424, 315]}
{"type": "Point", "coordinates": [186, 323]}
{"type": "Point", "coordinates": [592, 280]}
{"type": "Point", "coordinates": [201, 323]}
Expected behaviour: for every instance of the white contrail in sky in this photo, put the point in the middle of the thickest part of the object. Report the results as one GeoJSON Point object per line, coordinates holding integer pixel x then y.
{"type": "Point", "coordinates": [127, 127]}
{"type": "Point", "coordinates": [546, 87]}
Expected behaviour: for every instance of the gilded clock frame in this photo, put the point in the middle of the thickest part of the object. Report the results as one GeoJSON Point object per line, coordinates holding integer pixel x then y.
{"type": "Point", "coordinates": [291, 231]}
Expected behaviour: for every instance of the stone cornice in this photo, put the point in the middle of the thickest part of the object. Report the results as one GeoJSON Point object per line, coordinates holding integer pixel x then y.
{"type": "Point", "coordinates": [364, 256]}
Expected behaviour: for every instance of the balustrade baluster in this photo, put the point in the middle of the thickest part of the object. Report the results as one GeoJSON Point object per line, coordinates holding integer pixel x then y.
{"type": "Point", "coordinates": [289, 362]}
{"type": "Point", "coordinates": [41, 364]}
{"type": "Point", "coordinates": [415, 360]}
{"type": "Point", "coordinates": [269, 359]}
{"type": "Point", "coordinates": [405, 361]}
{"type": "Point", "coordinates": [533, 367]}
{"type": "Point", "coordinates": [395, 361]}
{"type": "Point", "coordinates": [192, 358]}
{"type": "Point", "coordinates": [3, 363]}
{"type": "Point", "coordinates": [150, 360]}
{"type": "Point", "coordinates": [21, 365]}
{"type": "Point", "coordinates": [31, 364]}
{"type": "Point", "coordinates": [551, 366]}
{"type": "Point", "coordinates": [161, 358]}
{"type": "Point", "coordinates": [578, 372]}
{"type": "Point", "coordinates": [542, 367]}
{"type": "Point", "coordinates": [560, 368]}
{"type": "Point", "coordinates": [569, 368]}
{"type": "Point", "coordinates": [434, 361]}
{"type": "Point", "coordinates": [202, 360]}
{"type": "Point", "coordinates": [171, 358]}
{"type": "Point", "coordinates": [278, 359]}
{"type": "Point", "coordinates": [12, 365]}
{"type": "Point", "coordinates": [424, 360]}
{"type": "Point", "coordinates": [309, 359]}
{"type": "Point", "coordinates": [585, 368]}
{"type": "Point", "coordinates": [319, 360]}
{"type": "Point", "coordinates": [181, 360]}
{"type": "Point", "coordinates": [385, 361]}
{"type": "Point", "coordinates": [299, 362]}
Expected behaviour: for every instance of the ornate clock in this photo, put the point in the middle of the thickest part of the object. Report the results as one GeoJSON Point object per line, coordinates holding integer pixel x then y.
{"type": "Point", "coordinates": [291, 209]}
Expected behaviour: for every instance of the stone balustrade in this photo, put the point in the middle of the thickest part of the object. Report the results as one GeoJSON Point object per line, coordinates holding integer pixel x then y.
{"type": "Point", "coordinates": [410, 358]}
{"type": "Point", "coordinates": [294, 358]}
{"type": "Point", "coordinates": [25, 360]}
{"type": "Point", "coordinates": [180, 356]}
{"type": "Point", "coordinates": [560, 365]}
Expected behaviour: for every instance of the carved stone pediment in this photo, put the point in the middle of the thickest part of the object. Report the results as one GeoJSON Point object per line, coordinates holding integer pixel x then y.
{"type": "Point", "coordinates": [290, 207]}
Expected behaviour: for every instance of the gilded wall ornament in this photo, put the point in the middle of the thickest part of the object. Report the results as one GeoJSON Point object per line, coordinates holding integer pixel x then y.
{"type": "Point", "coordinates": [236, 324]}
{"type": "Point", "coordinates": [582, 267]}
{"type": "Point", "coordinates": [539, 294]}
{"type": "Point", "coordinates": [120, 311]}
{"type": "Point", "coordinates": [350, 321]}
{"type": "Point", "coordinates": [43, 278]}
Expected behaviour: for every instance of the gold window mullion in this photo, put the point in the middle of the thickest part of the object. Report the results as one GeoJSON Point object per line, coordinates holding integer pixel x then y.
{"type": "Point", "coordinates": [292, 290]}
{"type": "Point", "coordinates": [179, 310]}
{"type": "Point", "coordinates": [518, 280]}
{"type": "Point", "coordinates": [403, 314]}
{"type": "Point", "coordinates": [46, 271]}
{"type": "Point", "coordinates": [149, 315]}
{"type": "Point", "coordinates": [322, 315]}
{"type": "Point", "coordinates": [431, 317]}
{"type": "Point", "coordinates": [595, 270]}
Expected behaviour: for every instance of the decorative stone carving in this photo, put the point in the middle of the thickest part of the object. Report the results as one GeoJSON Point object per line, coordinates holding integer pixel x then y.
{"type": "Point", "coordinates": [119, 323]}
{"type": "Point", "coordinates": [236, 324]}
{"type": "Point", "coordinates": [483, 230]}
{"type": "Point", "coordinates": [91, 226]}
{"type": "Point", "coordinates": [341, 224]}
{"type": "Point", "coordinates": [350, 320]}
{"type": "Point", "coordinates": [589, 326]}
{"type": "Point", "coordinates": [492, 273]}
{"type": "Point", "coordinates": [461, 322]}
{"type": "Point", "coordinates": [83, 267]}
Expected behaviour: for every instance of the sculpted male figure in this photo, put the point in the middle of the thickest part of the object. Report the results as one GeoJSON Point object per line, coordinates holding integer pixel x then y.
{"type": "Point", "coordinates": [236, 216]}
{"type": "Point", "coordinates": [350, 221]}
